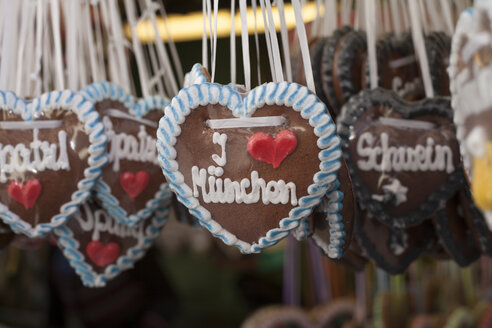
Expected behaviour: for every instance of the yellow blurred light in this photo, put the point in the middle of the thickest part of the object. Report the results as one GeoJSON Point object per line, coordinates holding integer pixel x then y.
{"type": "Point", "coordinates": [190, 26]}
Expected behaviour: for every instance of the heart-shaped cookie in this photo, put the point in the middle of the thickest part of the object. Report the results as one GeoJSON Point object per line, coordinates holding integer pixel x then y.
{"type": "Point", "coordinates": [452, 228]}
{"type": "Point", "coordinates": [203, 146]}
{"type": "Point", "coordinates": [403, 157]}
{"type": "Point", "coordinates": [51, 154]}
{"type": "Point", "coordinates": [99, 248]}
{"type": "Point", "coordinates": [393, 250]}
{"type": "Point", "coordinates": [333, 219]}
{"type": "Point", "coordinates": [132, 185]}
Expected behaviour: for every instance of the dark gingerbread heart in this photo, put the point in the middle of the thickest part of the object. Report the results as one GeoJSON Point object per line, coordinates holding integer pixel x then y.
{"type": "Point", "coordinates": [452, 228]}
{"type": "Point", "coordinates": [191, 152]}
{"type": "Point", "coordinates": [333, 234]}
{"type": "Point", "coordinates": [327, 69]}
{"type": "Point", "coordinates": [132, 185]}
{"type": "Point", "coordinates": [393, 250]}
{"type": "Point", "coordinates": [99, 247]}
{"type": "Point", "coordinates": [398, 69]}
{"type": "Point", "coordinates": [411, 188]}
{"type": "Point", "coordinates": [61, 139]}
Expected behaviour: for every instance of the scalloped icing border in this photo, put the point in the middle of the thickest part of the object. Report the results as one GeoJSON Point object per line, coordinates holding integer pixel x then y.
{"type": "Point", "coordinates": [66, 100]}
{"type": "Point", "coordinates": [100, 91]}
{"type": "Point", "coordinates": [351, 111]}
{"type": "Point", "coordinates": [291, 95]}
{"type": "Point", "coordinates": [195, 76]}
{"type": "Point", "coordinates": [70, 247]}
{"type": "Point", "coordinates": [334, 199]}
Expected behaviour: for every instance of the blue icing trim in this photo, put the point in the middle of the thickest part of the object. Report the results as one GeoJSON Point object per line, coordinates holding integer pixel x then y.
{"type": "Point", "coordinates": [68, 244]}
{"type": "Point", "coordinates": [290, 95]}
{"type": "Point", "coordinates": [101, 91]}
{"type": "Point", "coordinates": [68, 101]}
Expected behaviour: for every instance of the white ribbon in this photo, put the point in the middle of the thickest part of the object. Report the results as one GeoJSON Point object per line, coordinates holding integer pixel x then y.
{"type": "Point", "coordinates": [232, 42]}
{"type": "Point", "coordinates": [370, 13]}
{"type": "Point", "coordinates": [55, 21]}
{"type": "Point", "coordinates": [122, 115]}
{"type": "Point", "coordinates": [22, 125]}
{"type": "Point", "coordinates": [301, 32]}
{"type": "Point", "coordinates": [246, 122]}
{"type": "Point", "coordinates": [285, 39]}
{"type": "Point", "coordinates": [245, 44]}
{"type": "Point", "coordinates": [257, 44]}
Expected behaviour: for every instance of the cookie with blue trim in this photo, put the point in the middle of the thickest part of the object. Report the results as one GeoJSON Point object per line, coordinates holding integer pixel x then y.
{"type": "Point", "coordinates": [52, 150]}
{"type": "Point", "coordinates": [99, 248]}
{"type": "Point", "coordinates": [403, 157]}
{"type": "Point", "coordinates": [249, 166]}
{"type": "Point", "coordinates": [132, 186]}
{"type": "Point", "coordinates": [333, 219]}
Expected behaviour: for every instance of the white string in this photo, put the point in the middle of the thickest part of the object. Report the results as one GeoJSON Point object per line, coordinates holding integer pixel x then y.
{"type": "Point", "coordinates": [370, 12]}
{"type": "Point", "coordinates": [257, 44]}
{"type": "Point", "coordinates": [204, 36]}
{"type": "Point", "coordinates": [395, 17]}
{"type": "Point", "coordinates": [55, 21]}
{"type": "Point", "coordinates": [122, 115]}
{"type": "Point", "coordinates": [101, 70]}
{"type": "Point", "coordinates": [137, 50]}
{"type": "Point", "coordinates": [71, 55]}
{"type": "Point", "coordinates": [112, 57]}
{"type": "Point", "coordinates": [331, 13]}
{"type": "Point", "coordinates": [419, 44]}
{"type": "Point", "coordinates": [26, 19]}
{"type": "Point", "coordinates": [38, 51]}
{"type": "Point", "coordinates": [161, 50]}
{"type": "Point", "coordinates": [404, 123]}
{"type": "Point", "coordinates": [316, 26]}
{"type": "Point", "coordinates": [48, 69]}
{"type": "Point", "coordinates": [210, 30]}
{"type": "Point", "coordinates": [301, 32]}
{"type": "Point", "coordinates": [118, 41]}
{"type": "Point", "coordinates": [172, 45]}
{"type": "Point", "coordinates": [267, 39]}
{"type": "Point", "coordinates": [8, 39]}
{"type": "Point", "coordinates": [89, 41]}
{"type": "Point", "coordinates": [214, 47]}
{"type": "Point", "coordinates": [23, 125]}
{"type": "Point", "coordinates": [285, 39]}
{"type": "Point", "coordinates": [277, 61]}
{"type": "Point", "coordinates": [448, 18]}
{"type": "Point", "coordinates": [232, 42]}
{"type": "Point", "coordinates": [245, 44]}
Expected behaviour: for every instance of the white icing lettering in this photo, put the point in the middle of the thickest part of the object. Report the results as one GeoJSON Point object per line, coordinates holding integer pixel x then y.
{"type": "Point", "coordinates": [430, 157]}
{"type": "Point", "coordinates": [225, 191]}
{"type": "Point", "coordinates": [220, 139]}
{"type": "Point", "coordinates": [123, 146]}
{"type": "Point", "coordinates": [40, 156]}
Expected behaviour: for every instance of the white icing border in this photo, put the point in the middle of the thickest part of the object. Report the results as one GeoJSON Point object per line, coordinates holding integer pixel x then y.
{"type": "Point", "coordinates": [300, 99]}
{"type": "Point", "coordinates": [100, 91]}
{"type": "Point", "coordinates": [71, 248]}
{"type": "Point", "coordinates": [64, 100]}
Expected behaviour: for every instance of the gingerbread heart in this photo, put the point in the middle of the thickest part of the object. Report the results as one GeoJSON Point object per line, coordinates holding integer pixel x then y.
{"type": "Point", "coordinates": [132, 185]}
{"type": "Point", "coordinates": [333, 219]}
{"type": "Point", "coordinates": [99, 248]}
{"type": "Point", "coordinates": [51, 155]}
{"type": "Point", "coordinates": [393, 250]}
{"type": "Point", "coordinates": [403, 157]}
{"type": "Point", "coordinates": [453, 230]}
{"type": "Point", "coordinates": [203, 147]}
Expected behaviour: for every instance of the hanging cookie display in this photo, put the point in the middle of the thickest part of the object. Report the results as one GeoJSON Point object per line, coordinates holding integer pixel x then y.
{"type": "Point", "coordinates": [99, 248]}
{"type": "Point", "coordinates": [403, 157]}
{"type": "Point", "coordinates": [131, 187]}
{"type": "Point", "coordinates": [224, 152]}
{"type": "Point", "coordinates": [51, 155]}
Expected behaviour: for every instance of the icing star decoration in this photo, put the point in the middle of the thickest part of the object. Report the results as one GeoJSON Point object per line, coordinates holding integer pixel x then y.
{"type": "Point", "coordinates": [396, 189]}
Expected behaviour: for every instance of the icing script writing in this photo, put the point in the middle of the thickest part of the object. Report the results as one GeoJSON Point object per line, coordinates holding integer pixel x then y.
{"type": "Point", "coordinates": [123, 146]}
{"type": "Point", "coordinates": [214, 189]}
{"type": "Point", "coordinates": [98, 221]}
{"type": "Point", "coordinates": [407, 88]}
{"type": "Point", "coordinates": [428, 157]}
{"type": "Point", "coordinates": [38, 156]}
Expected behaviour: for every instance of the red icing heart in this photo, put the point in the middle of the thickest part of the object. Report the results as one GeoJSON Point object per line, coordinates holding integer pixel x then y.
{"type": "Point", "coordinates": [269, 150]}
{"type": "Point", "coordinates": [134, 184]}
{"type": "Point", "coordinates": [26, 194]}
{"type": "Point", "coordinates": [102, 255]}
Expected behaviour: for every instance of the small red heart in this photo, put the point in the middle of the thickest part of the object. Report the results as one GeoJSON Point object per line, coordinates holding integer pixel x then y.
{"type": "Point", "coordinates": [269, 150]}
{"type": "Point", "coordinates": [26, 194]}
{"type": "Point", "coordinates": [102, 255]}
{"type": "Point", "coordinates": [134, 184]}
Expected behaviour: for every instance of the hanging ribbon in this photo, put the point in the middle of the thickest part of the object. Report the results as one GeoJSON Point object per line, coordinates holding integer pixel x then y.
{"type": "Point", "coordinates": [301, 32]}
{"type": "Point", "coordinates": [245, 44]}
{"type": "Point", "coordinates": [370, 19]}
{"type": "Point", "coordinates": [232, 42]}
